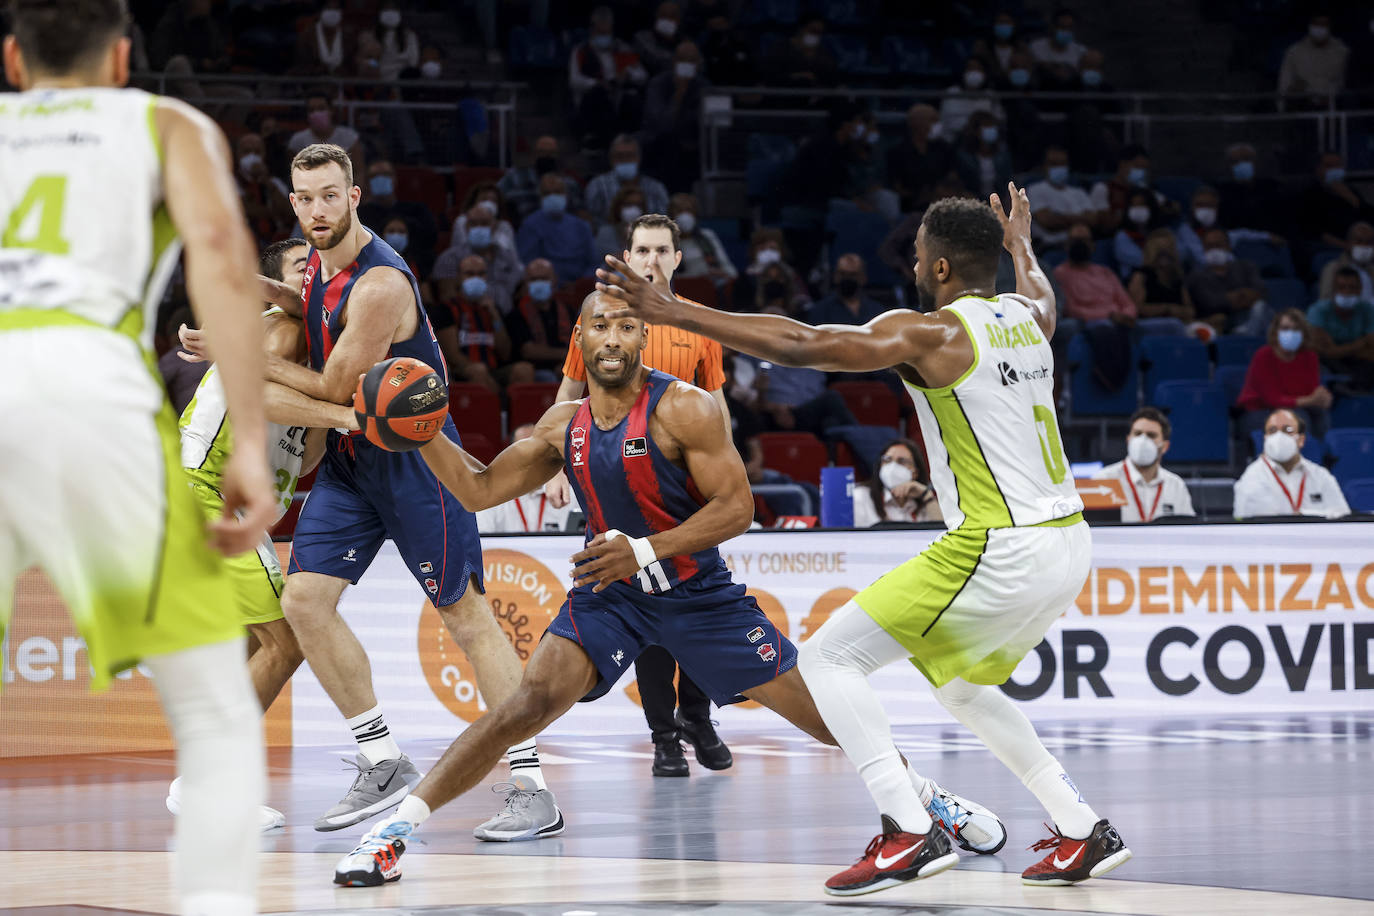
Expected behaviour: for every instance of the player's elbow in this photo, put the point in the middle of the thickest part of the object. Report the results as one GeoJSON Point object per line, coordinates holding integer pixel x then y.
{"type": "Point", "coordinates": [741, 511]}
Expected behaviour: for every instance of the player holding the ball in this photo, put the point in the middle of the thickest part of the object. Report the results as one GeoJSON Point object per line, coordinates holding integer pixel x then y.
{"type": "Point", "coordinates": [362, 305]}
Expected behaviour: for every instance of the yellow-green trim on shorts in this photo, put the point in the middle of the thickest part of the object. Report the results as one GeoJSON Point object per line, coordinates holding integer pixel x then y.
{"type": "Point", "coordinates": [28, 318]}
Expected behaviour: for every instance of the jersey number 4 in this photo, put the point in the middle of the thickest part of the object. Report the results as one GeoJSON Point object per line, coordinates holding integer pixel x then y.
{"type": "Point", "coordinates": [37, 221]}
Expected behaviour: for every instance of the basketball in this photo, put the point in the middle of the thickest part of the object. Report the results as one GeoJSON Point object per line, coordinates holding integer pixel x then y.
{"type": "Point", "coordinates": [400, 404]}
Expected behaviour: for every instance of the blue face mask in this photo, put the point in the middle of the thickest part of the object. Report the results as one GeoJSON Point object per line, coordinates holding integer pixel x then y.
{"type": "Point", "coordinates": [555, 203]}
{"type": "Point", "coordinates": [1058, 174]}
{"type": "Point", "coordinates": [479, 236]}
{"type": "Point", "coordinates": [1019, 77]}
{"type": "Point", "coordinates": [1064, 36]}
{"type": "Point", "coordinates": [1336, 175]}
{"type": "Point", "coordinates": [541, 290]}
{"type": "Point", "coordinates": [627, 171]}
{"type": "Point", "coordinates": [474, 287]}
{"type": "Point", "coordinates": [398, 240]}
{"type": "Point", "coordinates": [989, 134]}
{"type": "Point", "coordinates": [1290, 339]}
{"type": "Point", "coordinates": [601, 42]}
{"type": "Point", "coordinates": [1091, 77]}
{"type": "Point", "coordinates": [381, 185]}
{"type": "Point", "coordinates": [1137, 177]}
{"type": "Point", "coordinates": [1243, 170]}
{"type": "Point", "coordinates": [1004, 30]}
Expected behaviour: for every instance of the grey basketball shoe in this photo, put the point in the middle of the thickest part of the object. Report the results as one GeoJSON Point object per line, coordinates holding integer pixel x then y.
{"type": "Point", "coordinates": [377, 788]}
{"type": "Point", "coordinates": [530, 814]}
{"type": "Point", "coordinates": [967, 823]}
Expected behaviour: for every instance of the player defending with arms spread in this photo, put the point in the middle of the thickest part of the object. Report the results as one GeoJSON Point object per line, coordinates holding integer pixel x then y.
{"type": "Point", "coordinates": [362, 304]}
{"type": "Point", "coordinates": [96, 183]}
{"type": "Point", "coordinates": [967, 609]}
{"type": "Point", "coordinates": [662, 485]}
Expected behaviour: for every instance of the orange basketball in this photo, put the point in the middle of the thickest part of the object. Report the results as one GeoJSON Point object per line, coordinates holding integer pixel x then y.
{"type": "Point", "coordinates": [400, 404]}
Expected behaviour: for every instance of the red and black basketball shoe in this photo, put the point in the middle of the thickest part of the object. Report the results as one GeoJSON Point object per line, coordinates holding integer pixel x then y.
{"type": "Point", "coordinates": [1073, 860]}
{"type": "Point", "coordinates": [895, 857]}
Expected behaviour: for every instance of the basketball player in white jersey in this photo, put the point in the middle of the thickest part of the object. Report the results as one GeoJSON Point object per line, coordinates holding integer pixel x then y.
{"type": "Point", "coordinates": [96, 184]}
{"type": "Point", "coordinates": [969, 607]}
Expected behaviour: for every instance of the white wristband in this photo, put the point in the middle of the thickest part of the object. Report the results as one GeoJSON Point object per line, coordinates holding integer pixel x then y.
{"type": "Point", "coordinates": [643, 550]}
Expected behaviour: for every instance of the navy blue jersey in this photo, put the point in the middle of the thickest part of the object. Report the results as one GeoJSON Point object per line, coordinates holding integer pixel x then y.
{"type": "Point", "coordinates": [623, 481]}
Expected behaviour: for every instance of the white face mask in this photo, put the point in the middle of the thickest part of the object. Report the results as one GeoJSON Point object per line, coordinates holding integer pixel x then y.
{"type": "Point", "coordinates": [685, 69]}
{"type": "Point", "coordinates": [389, 18]}
{"type": "Point", "coordinates": [811, 40]}
{"type": "Point", "coordinates": [431, 69]}
{"type": "Point", "coordinates": [489, 206]}
{"type": "Point", "coordinates": [1205, 216]}
{"type": "Point", "coordinates": [686, 221]}
{"type": "Point", "coordinates": [974, 79]}
{"type": "Point", "coordinates": [1362, 254]}
{"type": "Point", "coordinates": [1280, 447]}
{"type": "Point", "coordinates": [1138, 215]}
{"type": "Point", "coordinates": [248, 162]}
{"type": "Point", "coordinates": [1216, 257]}
{"type": "Point", "coordinates": [631, 213]}
{"type": "Point", "coordinates": [666, 27]}
{"type": "Point", "coordinates": [1142, 451]}
{"type": "Point", "coordinates": [767, 256]}
{"type": "Point", "coordinates": [330, 19]}
{"type": "Point", "coordinates": [893, 475]}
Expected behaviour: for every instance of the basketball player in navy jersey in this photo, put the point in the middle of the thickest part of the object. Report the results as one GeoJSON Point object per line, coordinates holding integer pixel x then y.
{"type": "Point", "coordinates": [361, 305]}
{"type": "Point", "coordinates": [653, 467]}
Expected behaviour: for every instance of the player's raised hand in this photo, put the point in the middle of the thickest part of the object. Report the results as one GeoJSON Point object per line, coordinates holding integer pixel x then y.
{"type": "Point", "coordinates": [192, 345]}
{"type": "Point", "coordinates": [602, 562]}
{"type": "Point", "coordinates": [632, 296]}
{"type": "Point", "coordinates": [1016, 227]}
{"type": "Point", "coordinates": [248, 503]}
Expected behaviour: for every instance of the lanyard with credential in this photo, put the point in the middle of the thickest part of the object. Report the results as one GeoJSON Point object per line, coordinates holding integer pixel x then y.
{"type": "Point", "coordinates": [1139, 507]}
{"type": "Point", "coordinates": [1289, 496]}
{"type": "Point", "coordinates": [539, 525]}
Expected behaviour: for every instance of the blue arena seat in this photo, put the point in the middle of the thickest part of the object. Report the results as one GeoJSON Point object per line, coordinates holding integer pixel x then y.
{"type": "Point", "coordinates": [772, 12]}
{"type": "Point", "coordinates": [1089, 396]}
{"type": "Point", "coordinates": [1198, 412]}
{"type": "Point", "coordinates": [1353, 411]}
{"type": "Point", "coordinates": [1272, 260]}
{"type": "Point", "coordinates": [1169, 359]}
{"type": "Point", "coordinates": [1236, 349]}
{"type": "Point", "coordinates": [1232, 380]}
{"type": "Point", "coordinates": [861, 232]}
{"type": "Point", "coordinates": [533, 48]}
{"type": "Point", "coordinates": [909, 56]}
{"type": "Point", "coordinates": [1359, 492]}
{"type": "Point", "coordinates": [1353, 450]}
{"type": "Point", "coordinates": [1286, 292]}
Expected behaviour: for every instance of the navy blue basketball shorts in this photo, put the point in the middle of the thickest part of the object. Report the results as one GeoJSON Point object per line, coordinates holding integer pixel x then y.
{"type": "Point", "coordinates": [715, 631]}
{"type": "Point", "coordinates": [362, 496]}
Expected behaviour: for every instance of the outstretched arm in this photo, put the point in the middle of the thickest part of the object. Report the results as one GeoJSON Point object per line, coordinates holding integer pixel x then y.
{"type": "Point", "coordinates": [516, 471]}
{"type": "Point", "coordinates": [1031, 282]}
{"type": "Point", "coordinates": [692, 418]}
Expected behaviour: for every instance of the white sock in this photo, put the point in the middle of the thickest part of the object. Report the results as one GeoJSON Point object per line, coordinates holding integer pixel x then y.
{"type": "Point", "coordinates": [214, 717]}
{"type": "Point", "coordinates": [925, 788]}
{"type": "Point", "coordinates": [1004, 728]}
{"type": "Point", "coordinates": [835, 663]}
{"type": "Point", "coordinates": [524, 761]}
{"type": "Point", "coordinates": [412, 809]}
{"type": "Point", "coordinates": [373, 737]}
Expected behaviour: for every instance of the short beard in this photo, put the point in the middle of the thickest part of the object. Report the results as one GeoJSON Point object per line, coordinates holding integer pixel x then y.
{"type": "Point", "coordinates": [337, 235]}
{"type": "Point", "coordinates": [629, 368]}
{"type": "Point", "coordinates": [925, 297]}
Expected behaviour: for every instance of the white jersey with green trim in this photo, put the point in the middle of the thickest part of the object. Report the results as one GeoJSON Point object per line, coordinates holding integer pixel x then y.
{"type": "Point", "coordinates": [81, 211]}
{"type": "Point", "coordinates": [992, 436]}
{"type": "Point", "coordinates": [206, 442]}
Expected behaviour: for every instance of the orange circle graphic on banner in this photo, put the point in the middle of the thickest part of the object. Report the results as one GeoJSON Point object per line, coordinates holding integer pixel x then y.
{"type": "Point", "coordinates": [820, 612]}
{"type": "Point", "coordinates": [523, 594]}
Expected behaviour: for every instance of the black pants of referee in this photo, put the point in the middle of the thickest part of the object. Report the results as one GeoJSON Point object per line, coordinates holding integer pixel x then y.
{"type": "Point", "coordinates": [655, 668]}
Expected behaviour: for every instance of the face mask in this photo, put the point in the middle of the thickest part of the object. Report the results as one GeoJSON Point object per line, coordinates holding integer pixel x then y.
{"type": "Point", "coordinates": [811, 40]}
{"type": "Point", "coordinates": [767, 256]}
{"type": "Point", "coordinates": [1205, 216]}
{"type": "Point", "coordinates": [873, 138]}
{"type": "Point", "coordinates": [1290, 339]}
{"type": "Point", "coordinates": [601, 42]}
{"type": "Point", "coordinates": [431, 69]}
{"type": "Point", "coordinates": [1003, 30]}
{"type": "Point", "coordinates": [489, 206]}
{"type": "Point", "coordinates": [1020, 77]}
{"type": "Point", "coordinates": [555, 203]}
{"type": "Point", "coordinates": [989, 133]}
{"type": "Point", "coordinates": [1345, 302]}
{"type": "Point", "coordinates": [1080, 251]}
{"type": "Point", "coordinates": [1280, 447]}
{"type": "Point", "coordinates": [1137, 177]}
{"type": "Point", "coordinates": [685, 70]}
{"type": "Point", "coordinates": [1243, 170]}
{"type": "Point", "coordinates": [627, 171]}
{"type": "Point", "coordinates": [1361, 254]}
{"type": "Point", "coordinates": [479, 236]}
{"type": "Point", "coordinates": [1058, 174]}
{"type": "Point", "coordinates": [1216, 257]}
{"type": "Point", "coordinates": [774, 289]}
{"type": "Point", "coordinates": [389, 18]}
{"type": "Point", "coordinates": [1091, 77]}
{"type": "Point", "coordinates": [319, 121]}
{"type": "Point", "coordinates": [666, 27]}
{"type": "Point", "coordinates": [860, 131]}
{"type": "Point", "coordinates": [1142, 451]}
{"type": "Point", "coordinates": [1138, 215]}
{"type": "Point", "coordinates": [937, 130]}
{"type": "Point", "coordinates": [475, 287]}
{"type": "Point", "coordinates": [330, 19]}
{"type": "Point", "coordinates": [631, 213]}
{"type": "Point", "coordinates": [1335, 176]}
{"type": "Point", "coordinates": [1064, 36]}
{"type": "Point", "coordinates": [974, 79]}
{"type": "Point", "coordinates": [541, 290]}
{"type": "Point", "coordinates": [687, 221]}
{"type": "Point", "coordinates": [893, 475]}
{"type": "Point", "coordinates": [848, 287]}
{"type": "Point", "coordinates": [381, 185]}
{"type": "Point", "coordinates": [545, 164]}
{"type": "Point", "coordinates": [249, 161]}
{"type": "Point", "coordinates": [1319, 33]}
{"type": "Point", "coordinates": [397, 240]}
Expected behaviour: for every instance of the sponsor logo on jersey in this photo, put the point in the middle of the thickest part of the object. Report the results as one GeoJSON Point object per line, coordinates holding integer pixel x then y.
{"type": "Point", "coordinates": [755, 634]}
{"type": "Point", "coordinates": [767, 652]}
{"type": "Point", "coordinates": [618, 656]}
{"type": "Point", "coordinates": [637, 447]}
{"type": "Point", "coordinates": [352, 555]}
{"type": "Point", "coordinates": [1010, 375]}
{"type": "Point", "coordinates": [578, 436]}
{"type": "Point", "coordinates": [431, 586]}
{"type": "Point", "coordinates": [426, 567]}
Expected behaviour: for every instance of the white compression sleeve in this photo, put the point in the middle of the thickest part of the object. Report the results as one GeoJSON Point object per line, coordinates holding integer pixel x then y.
{"type": "Point", "coordinates": [215, 720]}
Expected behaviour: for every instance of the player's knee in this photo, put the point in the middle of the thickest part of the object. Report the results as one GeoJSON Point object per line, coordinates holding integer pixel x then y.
{"type": "Point", "coordinates": [813, 657]}
{"type": "Point", "coordinates": [469, 620]}
{"type": "Point", "coordinates": [277, 638]}
{"type": "Point", "coordinates": [303, 610]}
{"type": "Point", "coordinates": [532, 705]}
{"type": "Point", "coordinates": [956, 695]}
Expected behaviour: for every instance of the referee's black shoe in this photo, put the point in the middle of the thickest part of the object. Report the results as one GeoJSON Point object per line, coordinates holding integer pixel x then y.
{"type": "Point", "coordinates": [668, 757]}
{"type": "Point", "coordinates": [701, 735]}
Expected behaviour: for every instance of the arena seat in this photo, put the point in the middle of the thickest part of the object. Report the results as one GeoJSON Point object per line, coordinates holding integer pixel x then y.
{"type": "Point", "coordinates": [528, 401]}
{"type": "Point", "coordinates": [862, 233]}
{"type": "Point", "coordinates": [422, 184]}
{"type": "Point", "coordinates": [1353, 411]}
{"type": "Point", "coordinates": [1286, 292]}
{"type": "Point", "coordinates": [475, 410]}
{"type": "Point", "coordinates": [871, 403]}
{"type": "Point", "coordinates": [1353, 450]}
{"type": "Point", "coordinates": [1168, 359]}
{"type": "Point", "coordinates": [533, 48]}
{"type": "Point", "coordinates": [701, 290]}
{"type": "Point", "coordinates": [1236, 349]}
{"type": "Point", "coordinates": [798, 455]}
{"type": "Point", "coordinates": [1200, 418]}
{"type": "Point", "coordinates": [1232, 381]}
{"type": "Point", "coordinates": [1089, 396]}
{"type": "Point", "coordinates": [1359, 493]}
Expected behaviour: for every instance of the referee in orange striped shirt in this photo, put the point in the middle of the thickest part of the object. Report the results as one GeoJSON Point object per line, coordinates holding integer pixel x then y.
{"type": "Point", "coordinates": [653, 251]}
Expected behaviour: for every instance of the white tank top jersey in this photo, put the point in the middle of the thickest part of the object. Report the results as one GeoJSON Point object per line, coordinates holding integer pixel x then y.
{"type": "Point", "coordinates": [84, 228]}
{"type": "Point", "coordinates": [992, 436]}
